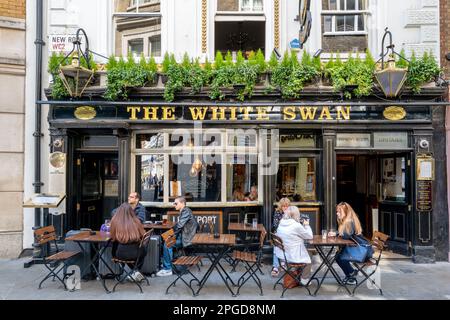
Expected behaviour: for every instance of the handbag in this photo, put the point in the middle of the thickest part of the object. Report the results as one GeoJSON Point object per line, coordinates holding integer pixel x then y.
{"type": "Point", "coordinates": [359, 253]}
{"type": "Point", "coordinates": [289, 282]}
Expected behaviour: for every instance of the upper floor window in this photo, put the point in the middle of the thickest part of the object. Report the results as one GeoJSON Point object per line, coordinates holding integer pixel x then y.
{"type": "Point", "coordinates": [240, 5]}
{"type": "Point", "coordinates": [137, 25]}
{"type": "Point", "coordinates": [344, 17]}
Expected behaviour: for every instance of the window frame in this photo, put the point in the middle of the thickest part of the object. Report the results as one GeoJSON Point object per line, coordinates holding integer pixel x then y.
{"type": "Point", "coordinates": [242, 12]}
{"type": "Point", "coordinates": [343, 12]}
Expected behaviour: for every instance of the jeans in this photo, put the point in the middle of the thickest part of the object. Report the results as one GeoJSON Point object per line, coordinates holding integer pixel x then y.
{"type": "Point", "coordinates": [276, 263]}
{"type": "Point", "coordinates": [344, 264]}
{"type": "Point", "coordinates": [168, 253]}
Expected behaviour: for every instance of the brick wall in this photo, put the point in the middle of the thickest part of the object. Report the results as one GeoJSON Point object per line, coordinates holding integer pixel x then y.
{"type": "Point", "coordinates": [445, 34]}
{"type": "Point", "coordinates": [12, 8]}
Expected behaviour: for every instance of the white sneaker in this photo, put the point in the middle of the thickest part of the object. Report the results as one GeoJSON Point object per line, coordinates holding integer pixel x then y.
{"type": "Point", "coordinates": [164, 273]}
{"type": "Point", "coordinates": [304, 282]}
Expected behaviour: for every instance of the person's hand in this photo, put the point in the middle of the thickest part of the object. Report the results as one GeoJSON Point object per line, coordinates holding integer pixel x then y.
{"type": "Point", "coordinates": [306, 222]}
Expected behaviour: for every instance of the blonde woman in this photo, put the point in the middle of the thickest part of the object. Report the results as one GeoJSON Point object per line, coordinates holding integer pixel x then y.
{"type": "Point", "coordinates": [349, 227]}
{"type": "Point", "coordinates": [283, 205]}
{"type": "Point", "coordinates": [293, 233]}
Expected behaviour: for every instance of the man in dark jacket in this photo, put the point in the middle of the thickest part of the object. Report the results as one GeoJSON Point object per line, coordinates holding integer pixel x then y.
{"type": "Point", "coordinates": [139, 209]}
{"type": "Point", "coordinates": [184, 230]}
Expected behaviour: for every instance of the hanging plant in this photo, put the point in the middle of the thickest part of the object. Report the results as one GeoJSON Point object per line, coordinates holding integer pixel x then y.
{"type": "Point", "coordinates": [421, 71]}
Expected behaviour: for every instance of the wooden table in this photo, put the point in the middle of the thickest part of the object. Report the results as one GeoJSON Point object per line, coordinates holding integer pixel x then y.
{"type": "Point", "coordinates": [165, 226]}
{"type": "Point", "coordinates": [328, 260]}
{"type": "Point", "coordinates": [95, 241]}
{"type": "Point", "coordinates": [216, 248]}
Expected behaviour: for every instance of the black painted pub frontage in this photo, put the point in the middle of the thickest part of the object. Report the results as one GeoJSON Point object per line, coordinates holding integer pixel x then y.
{"type": "Point", "coordinates": [233, 161]}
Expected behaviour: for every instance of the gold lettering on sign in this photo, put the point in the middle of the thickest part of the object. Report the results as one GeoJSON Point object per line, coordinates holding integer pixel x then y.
{"type": "Point", "coordinates": [262, 115]}
{"type": "Point", "coordinates": [345, 113]}
{"type": "Point", "coordinates": [289, 113]}
{"type": "Point", "coordinates": [133, 111]}
{"type": "Point", "coordinates": [309, 114]}
{"type": "Point", "coordinates": [168, 113]}
{"type": "Point", "coordinates": [326, 112]}
{"type": "Point", "coordinates": [233, 113]}
{"type": "Point", "coordinates": [245, 111]}
{"type": "Point", "coordinates": [150, 113]}
{"type": "Point", "coordinates": [198, 113]}
{"type": "Point", "coordinates": [215, 113]}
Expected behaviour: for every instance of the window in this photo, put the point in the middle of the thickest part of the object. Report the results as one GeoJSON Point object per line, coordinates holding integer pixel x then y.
{"type": "Point", "coordinates": [208, 165]}
{"type": "Point", "coordinates": [242, 177]}
{"type": "Point", "coordinates": [137, 25]}
{"type": "Point", "coordinates": [296, 179]}
{"type": "Point", "coordinates": [344, 17]}
{"type": "Point", "coordinates": [240, 5]}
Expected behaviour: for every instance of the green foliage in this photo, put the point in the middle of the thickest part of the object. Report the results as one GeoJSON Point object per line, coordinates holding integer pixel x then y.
{"type": "Point", "coordinates": [125, 75]}
{"type": "Point", "coordinates": [421, 71]}
{"type": "Point", "coordinates": [290, 76]}
{"type": "Point", "coordinates": [401, 62]}
{"type": "Point", "coordinates": [229, 59]}
{"type": "Point", "coordinates": [273, 62]}
{"type": "Point", "coordinates": [240, 58]}
{"type": "Point", "coordinates": [219, 63]}
{"type": "Point", "coordinates": [208, 72]}
{"type": "Point", "coordinates": [261, 61]}
{"type": "Point", "coordinates": [245, 74]}
{"type": "Point", "coordinates": [353, 72]}
{"type": "Point", "coordinates": [165, 63]}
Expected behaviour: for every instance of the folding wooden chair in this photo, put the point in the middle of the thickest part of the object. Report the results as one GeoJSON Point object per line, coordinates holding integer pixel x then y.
{"type": "Point", "coordinates": [56, 262]}
{"type": "Point", "coordinates": [294, 270]}
{"type": "Point", "coordinates": [125, 274]}
{"type": "Point", "coordinates": [378, 241]}
{"type": "Point", "coordinates": [252, 261]}
{"type": "Point", "coordinates": [181, 265]}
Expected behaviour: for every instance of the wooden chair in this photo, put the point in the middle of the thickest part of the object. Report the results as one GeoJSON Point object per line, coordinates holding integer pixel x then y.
{"type": "Point", "coordinates": [123, 273]}
{"type": "Point", "coordinates": [252, 261]}
{"type": "Point", "coordinates": [181, 265]}
{"type": "Point", "coordinates": [378, 242]}
{"type": "Point", "coordinates": [47, 236]}
{"type": "Point", "coordinates": [294, 270]}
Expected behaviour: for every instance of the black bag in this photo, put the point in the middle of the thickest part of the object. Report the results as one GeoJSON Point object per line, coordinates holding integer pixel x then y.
{"type": "Point", "coordinates": [151, 258]}
{"type": "Point", "coordinates": [83, 259]}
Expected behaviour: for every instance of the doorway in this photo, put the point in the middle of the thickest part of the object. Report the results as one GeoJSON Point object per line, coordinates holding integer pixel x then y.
{"type": "Point", "coordinates": [377, 186]}
{"type": "Point", "coordinates": [97, 188]}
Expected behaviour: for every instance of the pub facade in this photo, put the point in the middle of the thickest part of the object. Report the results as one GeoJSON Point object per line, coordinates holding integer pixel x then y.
{"type": "Point", "coordinates": [234, 161]}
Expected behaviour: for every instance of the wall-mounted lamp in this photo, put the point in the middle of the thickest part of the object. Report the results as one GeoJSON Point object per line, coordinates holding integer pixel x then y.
{"type": "Point", "coordinates": [277, 53]}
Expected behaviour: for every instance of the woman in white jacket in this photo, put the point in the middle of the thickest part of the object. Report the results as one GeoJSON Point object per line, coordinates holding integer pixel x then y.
{"type": "Point", "coordinates": [293, 233]}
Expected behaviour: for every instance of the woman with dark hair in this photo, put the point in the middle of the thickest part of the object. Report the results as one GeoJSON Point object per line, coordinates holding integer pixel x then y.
{"type": "Point", "coordinates": [126, 233]}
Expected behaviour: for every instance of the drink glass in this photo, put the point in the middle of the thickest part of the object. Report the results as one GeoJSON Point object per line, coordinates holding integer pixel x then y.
{"type": "Point", "coordinates": [255, 223]}
{"type": "Point", "coordinates": [324, 234]}
{"type": "Point", "coordinates": [332, 233]}
{"type": "Point", "coordinates": [164, 219]}
{"type": "Point", "coordinates": [107, 225]}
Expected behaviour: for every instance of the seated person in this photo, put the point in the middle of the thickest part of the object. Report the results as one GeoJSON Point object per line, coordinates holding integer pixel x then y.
{"type": "Point", "coordinates": [138, 208]}
{"type": "Point", "coordinates": [293, 234]}
{"type": "Point", "coordinates": [253, 195]}
{"type": "Point", "coordinates": [126, 233]}
{"type": "Point", "coordinates": [184, 230]}
{"type": "Point", "coordinates": [238, 195]}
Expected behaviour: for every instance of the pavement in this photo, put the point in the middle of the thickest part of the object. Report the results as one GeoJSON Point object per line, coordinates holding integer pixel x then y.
{"type": "Point", "coordinates": [399, 279]}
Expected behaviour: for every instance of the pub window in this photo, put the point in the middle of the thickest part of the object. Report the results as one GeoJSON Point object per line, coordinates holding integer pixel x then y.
{"type": "Point", "coordinates": [344, 17]}
{"type": "Point", "coordinates": [150, 177]}
{"type": "Point", "coordinates": [150, 141]}
{"type": "Point", "coordinates": [137, 27]}
{"type": "Point", "coordinates": [239, 138]}
{"type": "Point", "coordinates": [188, 139]}
{"type": "Point", "coordinates": [296, 179]}
{"type": "Point", "coordinates": [194, 177]}
{"type": "Point", "coordinates": [295, 141]}
{"type": "Point", "coordinates": [242, 177]}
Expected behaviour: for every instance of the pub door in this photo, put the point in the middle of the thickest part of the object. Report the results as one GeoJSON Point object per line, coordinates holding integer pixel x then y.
{"type": "Point", "coordinates": [97, 188]}
{"type": "Point", "coordinates": [394, 200]}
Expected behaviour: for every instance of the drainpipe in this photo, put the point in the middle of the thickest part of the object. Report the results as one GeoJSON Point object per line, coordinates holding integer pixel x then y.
{"type": "Point", "coordinates": [447, 131]}
{"type": "Point", "coordinates": [37, 133]}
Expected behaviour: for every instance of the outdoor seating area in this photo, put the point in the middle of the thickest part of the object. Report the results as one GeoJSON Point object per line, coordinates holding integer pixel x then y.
{"type": "Point", "coordinates": [237, 266]}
